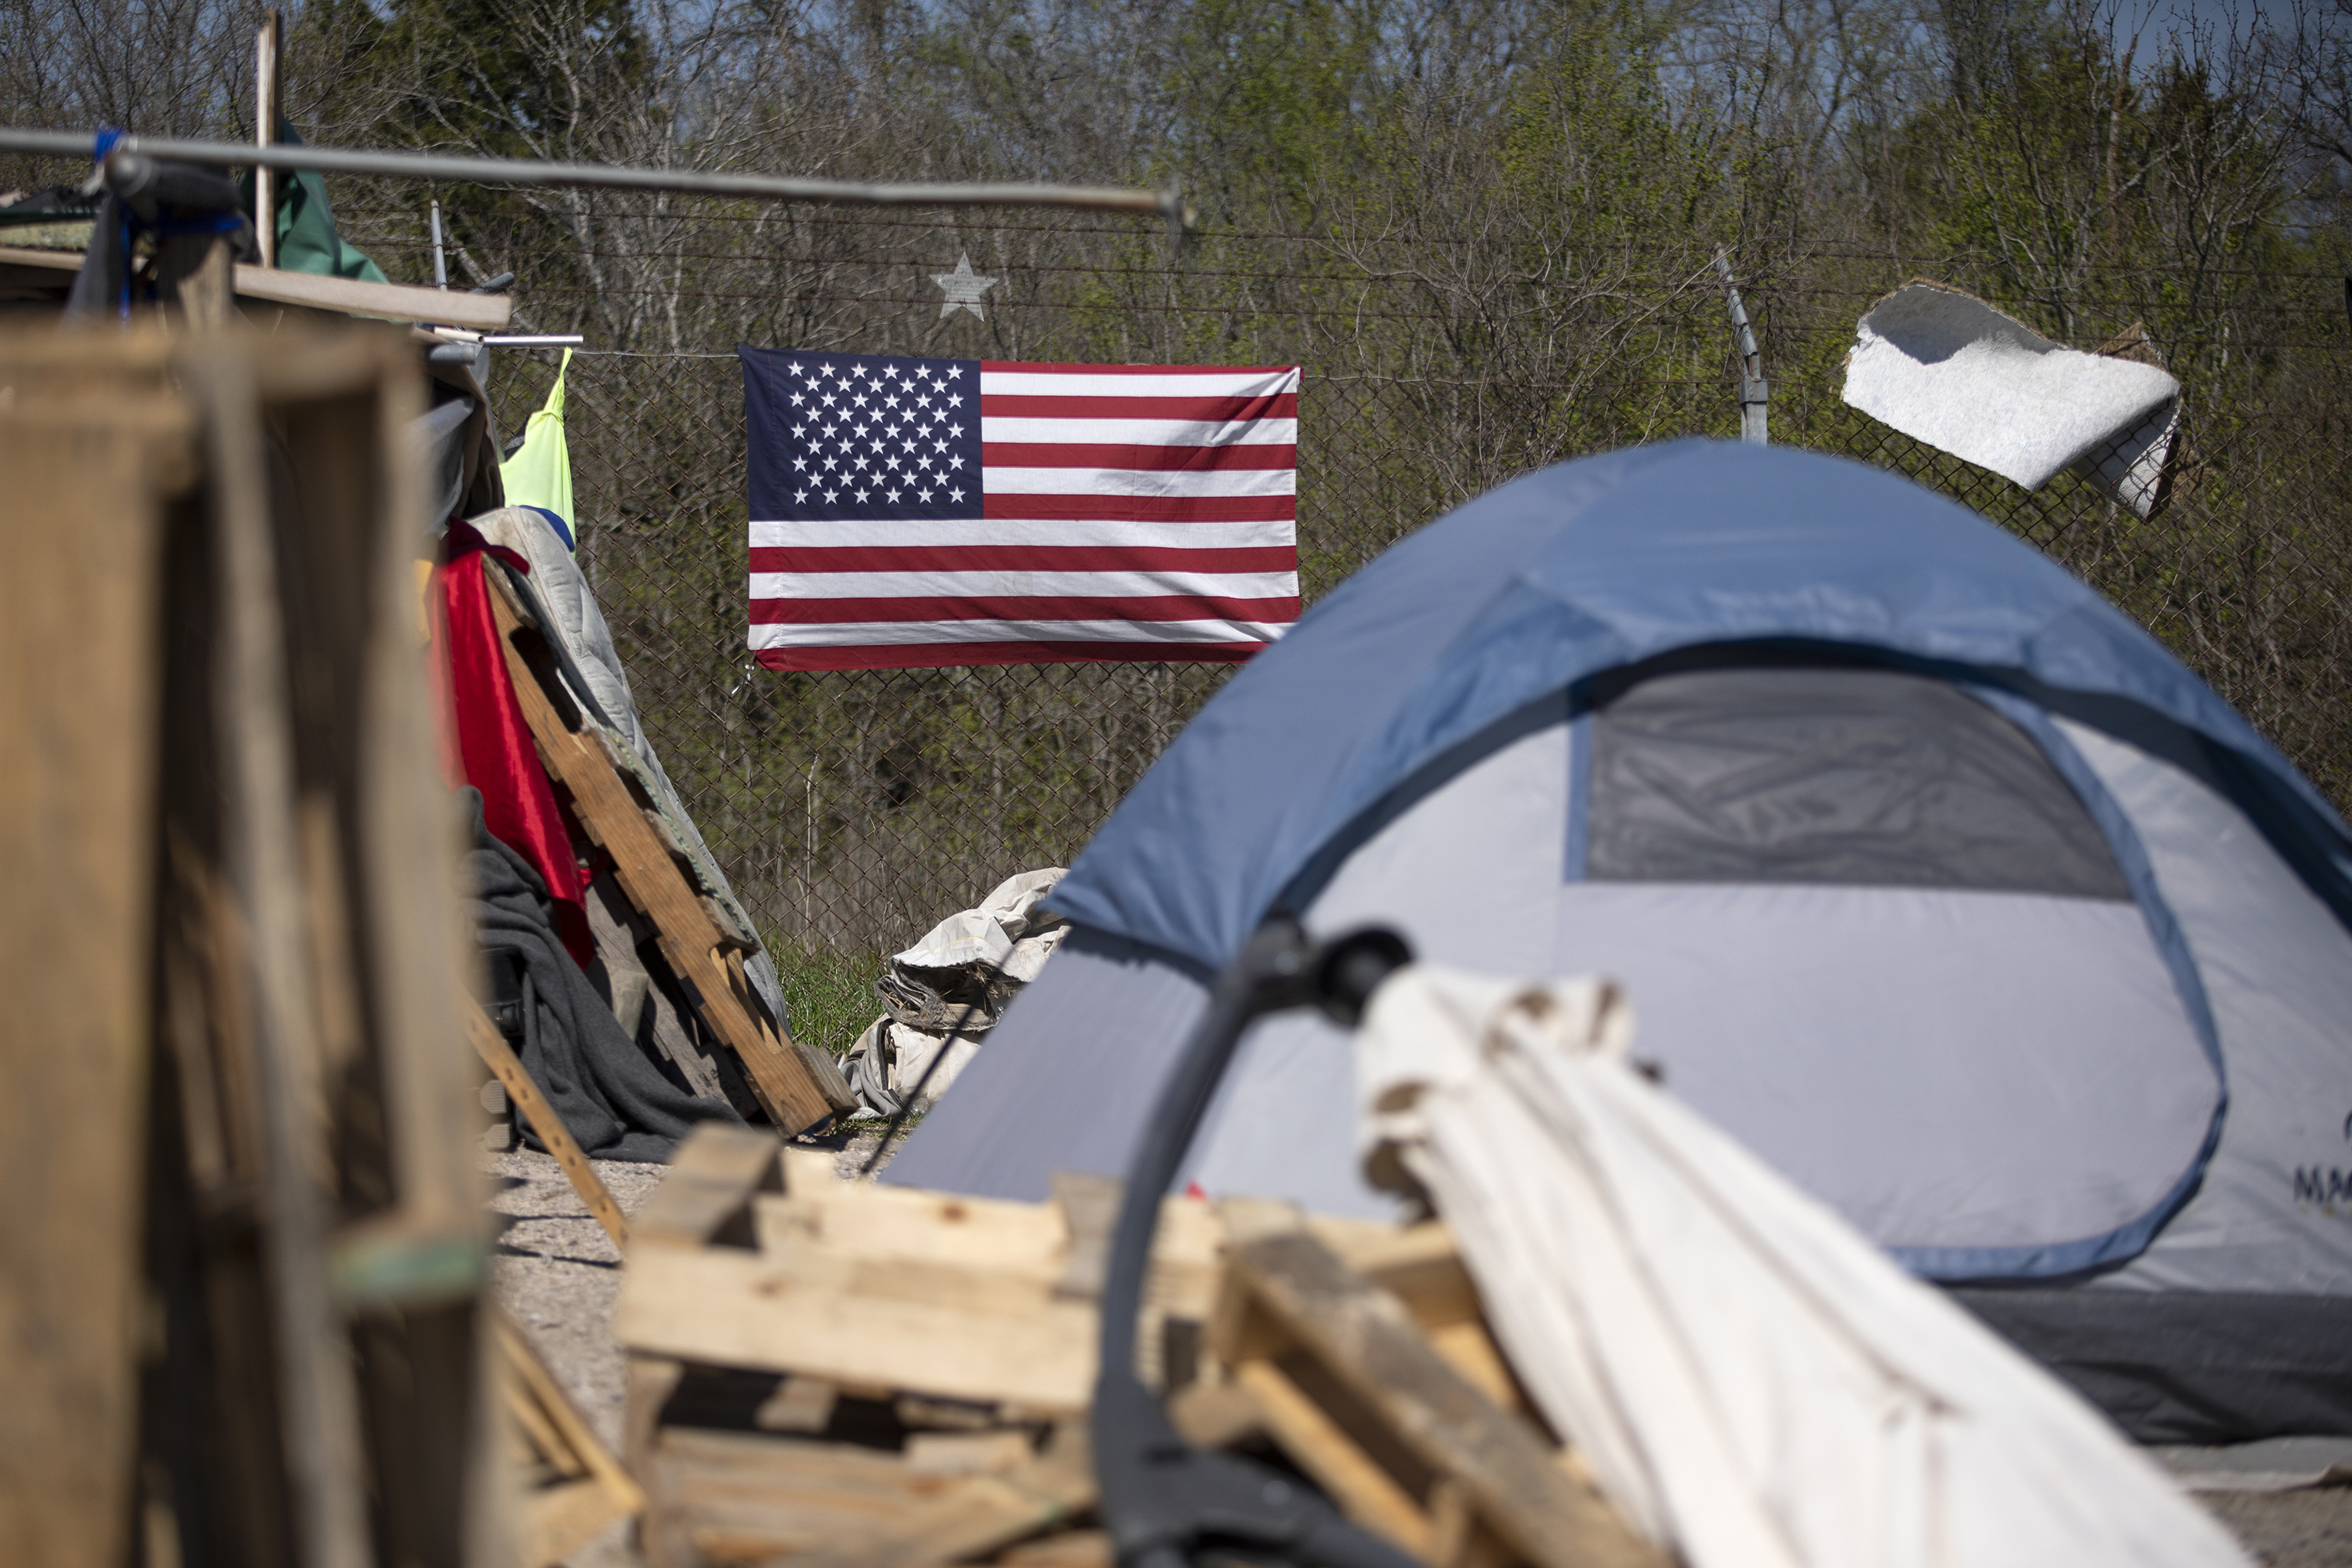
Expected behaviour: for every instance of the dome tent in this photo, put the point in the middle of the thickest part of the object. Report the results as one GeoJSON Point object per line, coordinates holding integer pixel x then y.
{"type": "Point", "coordinates": [1931, 877]}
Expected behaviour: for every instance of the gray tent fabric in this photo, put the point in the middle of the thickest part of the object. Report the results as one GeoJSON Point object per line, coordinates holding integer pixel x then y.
{"type": "Point", "coordinates": [1071, 1071]}
{"type": "Point", "coordinates": [1776, 1010]}
{"type": "Point", "coordinates": [1928, 876]}
{"type": "Point", "coordinates": [2205, 1366]}
{"type": "Point", "coordinates": [2053, 1088]}
{"type": "Point", "coordinates": [1956, 1072]}
{"type": "Point", "coordinates": [610, 1094]}
{"type": "Point", "coordinates": [2274, 1212]}
{"type": "Point", "coordinates": [442, 431]}
{"type": "Point", "coordinates": [1855, 777]}
{"type": "Point", "coordinates": [1046, 1097]}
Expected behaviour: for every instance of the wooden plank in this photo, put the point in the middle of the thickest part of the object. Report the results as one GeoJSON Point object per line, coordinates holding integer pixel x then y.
{"type": "Point", "coordinates": [269, 108]}
{"type": "Point", "coordinates": [1071, 1549]}
{"type": "Point", "coordinates": [582, 763]}
{"type": "Point", "coordinates": [931, 1293]}
{"type": "Point", "coordinates": [46, 259]}
{"type": "Point", "coordinates": [501, 1059]}
{"type": "Point", "coordinates": [192, 272]}
{"type": "Point", "coordinates": [343, 403]}
{"type": "Point", "coordinates": [1089, 1205]}
{"type": "Point", "coordinates": [705, 1196]}
{"type": "Point", "coordinates": [252, 708]}
{"type": "Point", "coordinates": [732, 1497]}
{"type": "Point", "coordinates": [1215, 1414]}
{"type": "Point", "coordinates": [558, 1521]}
{"type": "Point", "coordinates": [854, 1221]}
{"type": "Point", "coordinates": [1459, 1537]}
{"type": "Point", "coordinates": [799, 1405]}
{"type": "Point", "coordinates": [1363, 1335]}
{"type": "Point", "coordinates": [726, 1307]}
{"type": "Point", "coordinates": [648, 1382]}
{"type": "Point", "coordinates": [1367, 1493]}
{"type": "Point", "coordinates": [378, 844]}
{"type": "Point", "coordinates": [1421, 1266]}
{"type": "Point", "coordinates": [978, 1515]}
{"type": "Point", "coordinates": [79, 677]}
{"type": "Point", "coordinates": [966, 1453]}
{"type": "Point", "coordinates": [391, 301]}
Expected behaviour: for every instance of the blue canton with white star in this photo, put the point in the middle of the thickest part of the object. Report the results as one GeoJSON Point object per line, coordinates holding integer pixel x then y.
{"type": "Point", "coordinates": [865, 438]}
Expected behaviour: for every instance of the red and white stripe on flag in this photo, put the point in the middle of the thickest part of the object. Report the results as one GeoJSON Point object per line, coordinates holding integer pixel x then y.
{"type": "Point", "coordinates": [914, 511]}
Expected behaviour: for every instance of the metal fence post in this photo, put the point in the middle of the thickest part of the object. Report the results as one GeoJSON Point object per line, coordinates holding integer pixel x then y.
{"type": "Point", "coordinates": [1752, 390]}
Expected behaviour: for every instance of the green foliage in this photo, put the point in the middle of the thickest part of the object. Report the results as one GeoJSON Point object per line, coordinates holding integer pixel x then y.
{"type": "Point", "coordinates": [829, 997]}
{"type": "Point", "coordinates": [1488, 229]}
{"type": "Point", "coordinates": [510, 76]}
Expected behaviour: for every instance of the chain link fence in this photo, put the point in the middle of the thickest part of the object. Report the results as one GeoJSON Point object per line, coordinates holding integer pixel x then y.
{"type": "Point", "coordinates": [854, 809]}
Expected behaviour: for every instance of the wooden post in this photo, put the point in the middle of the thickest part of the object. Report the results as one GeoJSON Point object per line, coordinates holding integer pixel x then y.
{"type": "Point", "coordinates": [317, 1391]}
{"type": "Point", "coordinates": [196, 270]}
{"type": "Point", "coordinates": [92, 460]}
{"type": "Point", "coordinates": [268, 107]}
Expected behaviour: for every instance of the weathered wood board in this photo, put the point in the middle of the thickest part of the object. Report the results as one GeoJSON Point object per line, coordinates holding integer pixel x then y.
{"type": "Point", "coordinates": [951, 1297]}
{"type": "Point", "coordinates": [93, 458]}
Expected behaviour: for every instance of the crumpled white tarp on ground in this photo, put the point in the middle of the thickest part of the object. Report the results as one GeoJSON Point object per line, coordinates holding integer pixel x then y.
{"type": "Point", "coordinates": [997, 931]}
{"type": "Point", "coordinates": [887, 1062]}
{"type": "Point", "coordinates": [1006, 932]}
{"type": "Point", "coordinates": [1950, 370]}
{"type": "Point", "coordinates": [1753, 1383]}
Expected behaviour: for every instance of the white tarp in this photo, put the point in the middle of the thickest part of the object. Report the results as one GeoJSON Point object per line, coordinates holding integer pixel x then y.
{"type": "Point", "coordinates": [952, 985]}
{"type": "Point", "coordinates": [1003, 932]}
{"type": "Point", "coordinates": [1752, 1381]}
{"type": "Point", "coordinates": [1950, 370]}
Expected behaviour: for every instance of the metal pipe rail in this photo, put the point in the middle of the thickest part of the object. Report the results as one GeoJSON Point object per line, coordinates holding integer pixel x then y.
{"type": "Point", "coordinates": [1168, 204]}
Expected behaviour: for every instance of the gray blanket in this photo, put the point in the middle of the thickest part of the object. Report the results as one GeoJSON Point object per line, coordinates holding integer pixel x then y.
{"type": "Point", "coordinates": [618, 1102]}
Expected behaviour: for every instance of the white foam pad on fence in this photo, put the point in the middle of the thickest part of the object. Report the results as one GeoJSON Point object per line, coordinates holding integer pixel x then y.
{"type": "Point", "coordinates": [1950, 370]}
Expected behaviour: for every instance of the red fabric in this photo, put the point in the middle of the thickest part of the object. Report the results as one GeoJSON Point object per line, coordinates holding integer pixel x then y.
{"type": "Point", "coordinates": [487, 739]}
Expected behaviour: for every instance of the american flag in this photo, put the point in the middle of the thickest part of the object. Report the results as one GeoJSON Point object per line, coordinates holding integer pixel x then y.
{"type": "Point", "coordinates": [931, 511]}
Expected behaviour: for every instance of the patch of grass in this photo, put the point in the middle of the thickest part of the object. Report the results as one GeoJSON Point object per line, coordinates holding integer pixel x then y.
{"type": "Point", "coordinates": [829, 997]}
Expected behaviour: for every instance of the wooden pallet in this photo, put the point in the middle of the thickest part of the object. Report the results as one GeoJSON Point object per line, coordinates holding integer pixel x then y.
{"type": "Point", "coordinates": [797, 1086]}
{"type": "Point", "coordinates": [1405, 1418]}
{"type": "Point", "coordinates": [757, 1257]}
{"type": "Point", "coordinates": [797, 1342]}
{"type": "Point", "coordinates": [844, 1374]}
{"type": "Point", "coordinates": [720, 1496]}
{"type": "Point", "coordinates": [219, 759]}
{"type": "Point", "coordinates": [572, 1485]}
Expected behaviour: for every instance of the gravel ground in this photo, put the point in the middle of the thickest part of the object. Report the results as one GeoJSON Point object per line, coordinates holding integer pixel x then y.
{"type": "Point", "coordinates": [2290, 1529]}
{"type": "Point", "coordinates": [558, 1274]}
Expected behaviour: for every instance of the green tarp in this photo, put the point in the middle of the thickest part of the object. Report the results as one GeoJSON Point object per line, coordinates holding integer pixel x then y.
{"type": "Point", "coordinates": [307, 240]}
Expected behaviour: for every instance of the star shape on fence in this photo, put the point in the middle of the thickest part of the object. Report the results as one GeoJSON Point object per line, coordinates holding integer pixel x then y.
{"type": "Point", "coordinates": [963, 287]}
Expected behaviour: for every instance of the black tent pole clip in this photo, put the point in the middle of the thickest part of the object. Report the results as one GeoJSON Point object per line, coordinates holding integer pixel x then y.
{"type": "Point", "coordinates": [1163, 1499]}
